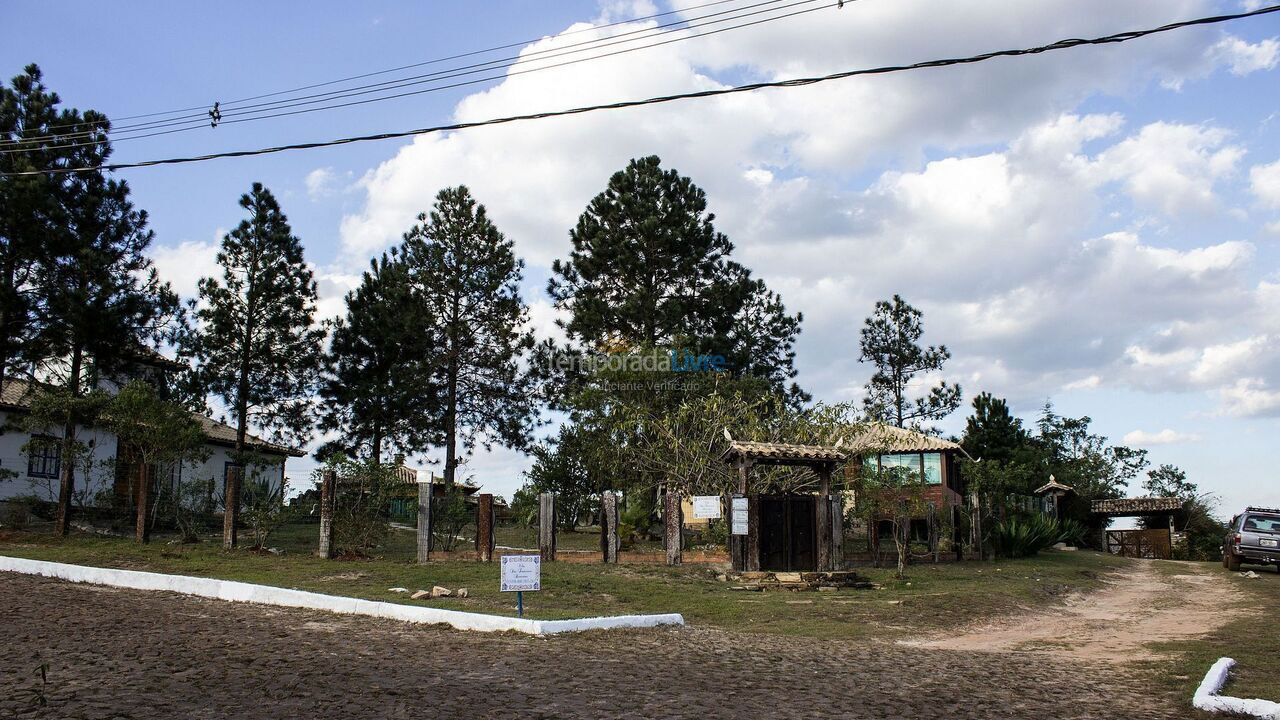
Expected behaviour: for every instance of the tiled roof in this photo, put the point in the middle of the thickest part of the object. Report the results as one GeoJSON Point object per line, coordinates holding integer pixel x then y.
{"type": "Point", "coordinates": [883, 438]}
{"type": "Point", "coordinates": [1053, 485]}
{"type": "Point", "coordinates": [783, 452]}
{"type": "Point", "coordinates": [1136, 506]}
{"type": "Point", "coordinates": [17, 395]}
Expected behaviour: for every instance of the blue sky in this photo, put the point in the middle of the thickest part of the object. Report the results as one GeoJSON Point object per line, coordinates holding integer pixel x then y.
{"type": "Point", "coordinates": [1098, 226]}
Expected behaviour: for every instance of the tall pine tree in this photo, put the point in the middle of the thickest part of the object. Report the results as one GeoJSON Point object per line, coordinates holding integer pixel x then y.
{"type": "Point", "coordinates": [890, 341]}
{"type": "Point", "coordinates": [256, 345]}
{"type": "Point", "coordinates": [100, 298]}
{"type": "Point", "coordinates": [649, 270]}
{"type": "Point", "coordinates": [378, 391]}
{"type": "Point", "coordinates": [992, 433]}
{"type": "Point", "coordinates": [466, 278]}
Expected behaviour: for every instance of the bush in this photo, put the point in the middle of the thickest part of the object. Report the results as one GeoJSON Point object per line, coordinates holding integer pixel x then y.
{"type": "Point", "coordinates": [1027, 535]}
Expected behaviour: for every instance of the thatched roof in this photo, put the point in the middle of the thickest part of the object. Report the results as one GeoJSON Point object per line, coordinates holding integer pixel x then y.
{"type": "Point", "coordinates": [1122, 507]}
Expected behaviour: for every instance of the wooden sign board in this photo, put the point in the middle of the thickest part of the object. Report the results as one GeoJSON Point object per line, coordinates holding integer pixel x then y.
{"type": "Point", "coordinates": [521, 573]}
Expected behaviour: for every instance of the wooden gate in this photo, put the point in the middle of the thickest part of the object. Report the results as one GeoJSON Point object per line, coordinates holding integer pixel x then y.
{"type": "Point", "coordinates": [1153, 544]}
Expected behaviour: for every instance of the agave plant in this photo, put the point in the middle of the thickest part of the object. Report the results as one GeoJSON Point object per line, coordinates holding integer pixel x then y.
{"type": "Point", "coordinates": [1027, 535]}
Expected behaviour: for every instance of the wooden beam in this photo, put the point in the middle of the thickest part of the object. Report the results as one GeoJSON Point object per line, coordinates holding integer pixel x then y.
{"type": "Point", "coordinates": [484, 527]}
{"type": "Point", "coordinates": [752, 562]}
{"type": "Point", "coordinates": [142, 532]}
{"type": "Point", "coordinates": [822, 510]}
{"type": "Point", "coordinates": [609, 542]}
{"type": "Point", "coordinates": [424, 519]}
{"type": "Point", "coordinates": [547, 526]}
{"type": "Point", "coordinates": [328, 488]}
{"type": "Point", "coordinates": [672, 527]}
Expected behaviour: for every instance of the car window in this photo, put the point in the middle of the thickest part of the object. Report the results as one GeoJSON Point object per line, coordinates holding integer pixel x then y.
{"type": "Point", "coordinates": [1262, 523]}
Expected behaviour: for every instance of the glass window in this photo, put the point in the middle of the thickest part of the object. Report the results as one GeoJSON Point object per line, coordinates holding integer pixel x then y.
{"type": "Point", "coordinates": [910, 461]}
{"type": "Point", "coordinates": [933, 468]}
{"type": "Point", "coordinates": [44, 460]}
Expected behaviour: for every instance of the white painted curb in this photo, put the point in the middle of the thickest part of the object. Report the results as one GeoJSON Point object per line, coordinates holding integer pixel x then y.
{"type": "Point", "coordinates": [284, 597]}
{"type": "Point", "coordinates": [1207, 697]}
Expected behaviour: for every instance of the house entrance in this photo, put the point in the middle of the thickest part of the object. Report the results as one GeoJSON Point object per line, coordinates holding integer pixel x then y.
{"type": "Point", "coordinates": [1155, 544]}
{"type": "Point", "coordinates": [788, 536]}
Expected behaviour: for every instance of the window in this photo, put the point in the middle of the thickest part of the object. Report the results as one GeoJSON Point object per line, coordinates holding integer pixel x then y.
{"type": "Point", "coordinates": [43, 459]}
{"type": "Point", "coordinates": [933, 468]}
{"type": "Point", "coordinates": [910, 461]}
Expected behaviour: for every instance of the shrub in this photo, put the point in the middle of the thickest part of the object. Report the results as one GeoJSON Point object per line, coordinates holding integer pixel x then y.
{"type": "Point", "coordinates": [1027, 535]}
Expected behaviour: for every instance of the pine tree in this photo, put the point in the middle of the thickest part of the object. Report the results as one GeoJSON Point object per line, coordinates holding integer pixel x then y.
{"type": "Point", "coordinates": [255, 344]}
{"type": "Point", "coordinates": [649, 270]}
{"type": "Point", "coordinates": [890, 342]}
{"type": "Point", "coordinates": [466, 279]}
{"type": "Point", "coordinates": [991, 432]}
{"type": "Point", "coordinates": [100, 298]}
{"type": "Point", "coordinates": [378, 393]}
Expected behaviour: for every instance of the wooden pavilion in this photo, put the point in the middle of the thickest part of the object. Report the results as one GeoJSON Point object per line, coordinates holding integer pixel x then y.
{"type": "Point", "coordinates": [787, 532]}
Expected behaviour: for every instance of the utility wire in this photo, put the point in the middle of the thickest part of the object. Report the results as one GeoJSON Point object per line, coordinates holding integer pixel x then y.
{"type": "Point", "coordinates": [472, 53]}
{"type": "Point", "coordinates": [795, 82]}
{"type": "Point", "coordinates": [259, 115]}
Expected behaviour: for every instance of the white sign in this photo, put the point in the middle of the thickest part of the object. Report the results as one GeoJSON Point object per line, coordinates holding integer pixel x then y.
{"type": "Point", "coordinates": [521, 573]}
{"type": "Point", "coordinates": [739, 516]}
{"type": "Point", "coordinates": [706, 507]}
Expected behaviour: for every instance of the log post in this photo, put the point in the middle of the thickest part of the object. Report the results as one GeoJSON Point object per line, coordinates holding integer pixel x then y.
{"type": "Point", "coordinates": [738, 550]}
{"type": "Point", "coordinates": [328, 488]}
{"type": "Point", "coordinates": [672, 526]}
{"type": "Point", "coordinates": [231, 506]}
{"type": "Point", "coordinates": [424, 518]}
{"type": "Point", "coordinates": [752, 558]}
{"type": "Point", "coordinates": [142, 532]}
{"type": "Point", "coordinates": [837, 532]}
{"type": "Point", "coordinates": [484, 527]}
{"type": "Point", "coordinates": [823, 518]}
{"type": "Point", "coordinates": [547, 526]}
{"type": "Point", "coordinates": [956, 537]}
{"type": "Point", "coordinates": [609, 541]}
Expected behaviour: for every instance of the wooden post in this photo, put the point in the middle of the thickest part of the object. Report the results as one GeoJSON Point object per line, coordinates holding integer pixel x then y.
{"type": "Point", "coordinates": [231, 506]}
{"type": "Point", "coordinates": [672, 526]}
{"type": "Point", "coordinates": [424, 518]}
{"type": "Point", "coordinates": [547, 526]}
{"type": "Point", "coordinates": [738, 550]}
{"type": "Point", "coordinates": [933, 531]}
{"type": "Point", "coordinates": [753, 534]}
{"type": "Point", "coordinates": [609, 541]}
{"type": "Point", "coordinates": [142, 532]}
{"type": "Point", "coordinates": [823, 519]}
{"type": "Point", "coordinates": [484, 527]}
{"type": "Point", "coordinates": [956, 538]}
{"type": "Point", "coordinates": [977, 526]}
{"type": "Point", "coordinates": [837, 532]}
{"type": "Point", "coordinates": [328, 488]}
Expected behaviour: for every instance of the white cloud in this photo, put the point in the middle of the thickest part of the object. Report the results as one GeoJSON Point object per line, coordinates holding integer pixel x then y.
{"type": "Point", "coordinates": [1142, 438]}
{"type": "Point", "coordinates": [1249, 397]}
{"type": "Point", "coordinates": [1243, 57]}
{"type": "Point", "coordinates": [321, 183]}
{"type": "Point", "coordinates": [183, 265]}
{"type": "Point", "coordinates": [1264, 181]}
{"type": "Point", "coordinates": [1172, 167]}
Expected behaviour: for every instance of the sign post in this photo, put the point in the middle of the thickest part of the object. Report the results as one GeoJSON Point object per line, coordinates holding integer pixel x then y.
{"type": "Point", "coordinates": [706, 507]}
{"type": "Point", "coordinates": [521, 573]}
{"type": "Point", "coordinates": [739, 516]}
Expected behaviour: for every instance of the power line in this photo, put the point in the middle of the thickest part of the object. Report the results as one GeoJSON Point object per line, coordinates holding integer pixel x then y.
{"type": "Point", "coordinates": [168, 128]}
{"type": "Point", "coordinates": [1115, 38]}
{"type": "Point", "coordinates": [472, 53]}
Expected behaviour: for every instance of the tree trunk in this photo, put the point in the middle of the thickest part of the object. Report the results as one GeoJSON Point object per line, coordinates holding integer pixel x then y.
{"type": "Point", "coordinates": [484, 527]}
{"type": "Point", "coordinates": [672, 527]}
{"type": "Point", "coordinates": [67, 476]}
{"type": "Point", "coordinates": [547, 526]}
{"type": "Point", "coordinates": [451, 412]}
{"type": "Point", "coordinates": [142, 529]}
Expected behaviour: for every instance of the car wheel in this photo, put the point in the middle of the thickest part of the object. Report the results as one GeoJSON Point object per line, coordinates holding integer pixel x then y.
{"type": "Point", "coordinates": [1233, 562]}
{"type": "Point", "coordinates": [1224, 559]}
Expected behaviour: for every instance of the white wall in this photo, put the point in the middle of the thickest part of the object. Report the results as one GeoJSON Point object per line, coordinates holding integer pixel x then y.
{"type": "Point", "coordinates": [102, 474]}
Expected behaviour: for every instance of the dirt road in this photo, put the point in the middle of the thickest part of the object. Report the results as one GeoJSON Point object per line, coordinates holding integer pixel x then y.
{"type": "Point", "coordinates": [1141, 604]}
{"type": "Point", "coordinates": [128, 654]}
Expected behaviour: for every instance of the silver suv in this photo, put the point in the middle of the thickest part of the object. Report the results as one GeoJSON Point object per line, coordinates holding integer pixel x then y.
{"type": "Point", "coordinates": [1253, 538]}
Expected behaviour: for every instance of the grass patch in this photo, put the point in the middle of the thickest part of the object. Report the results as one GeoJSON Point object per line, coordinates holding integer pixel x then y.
{"type": "Point", "coordinates": [1250, 637]}
{"type": "Point", "coordinates": [932, 597]}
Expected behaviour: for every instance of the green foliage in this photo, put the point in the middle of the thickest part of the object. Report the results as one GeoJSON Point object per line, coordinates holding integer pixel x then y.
{"type": "Point", "coordinates": [648, 269]}
{"type": "Point", "coordinates": [158, 431]}
{"type": "Point", "coordinates": [377, 391]}
{"type": "Point", "coordinates": [992, 433]}
{"type": "Point", "coordinates": [362, 501]}
{"type": "Point", "coordinates": [563, 466]}
{"type": "Point", "coordinates": [1026, 535]}
{"type": "Point", "coordinates": [890, 340]}
{"type": "Point", "coordinates": [465, 283]}
{"type": "Point", "coordinates": [264, 509]}
{"type": "Point", "coordinates": [896, 494]}
{"type": "Point", "coordinates": [450, 515]}
{"type": "Point", "coordinates": [524, 506]}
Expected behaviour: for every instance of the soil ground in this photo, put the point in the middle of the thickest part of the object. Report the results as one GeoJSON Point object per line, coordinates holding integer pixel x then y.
{"type": "Point", "coordinates": [114, 653]}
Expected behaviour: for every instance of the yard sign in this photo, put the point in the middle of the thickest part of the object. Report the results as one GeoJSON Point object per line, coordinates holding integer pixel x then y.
{"type": "Point", "coordinates": [706, 507]}
{"type": "Point", "coordinates": [521, 573]}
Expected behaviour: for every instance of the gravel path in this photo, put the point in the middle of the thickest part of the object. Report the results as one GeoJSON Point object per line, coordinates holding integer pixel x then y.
{"type": "Point", "coordinates": [115, 653]}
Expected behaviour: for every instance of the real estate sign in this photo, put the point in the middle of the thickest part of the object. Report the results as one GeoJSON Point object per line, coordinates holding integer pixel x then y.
{"type": "Point", "coordinates": [706, 507]}
{"type": "Point", "coordinates": [739, 516]}
{"type": "Point", "coordinates": [521, 573]}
